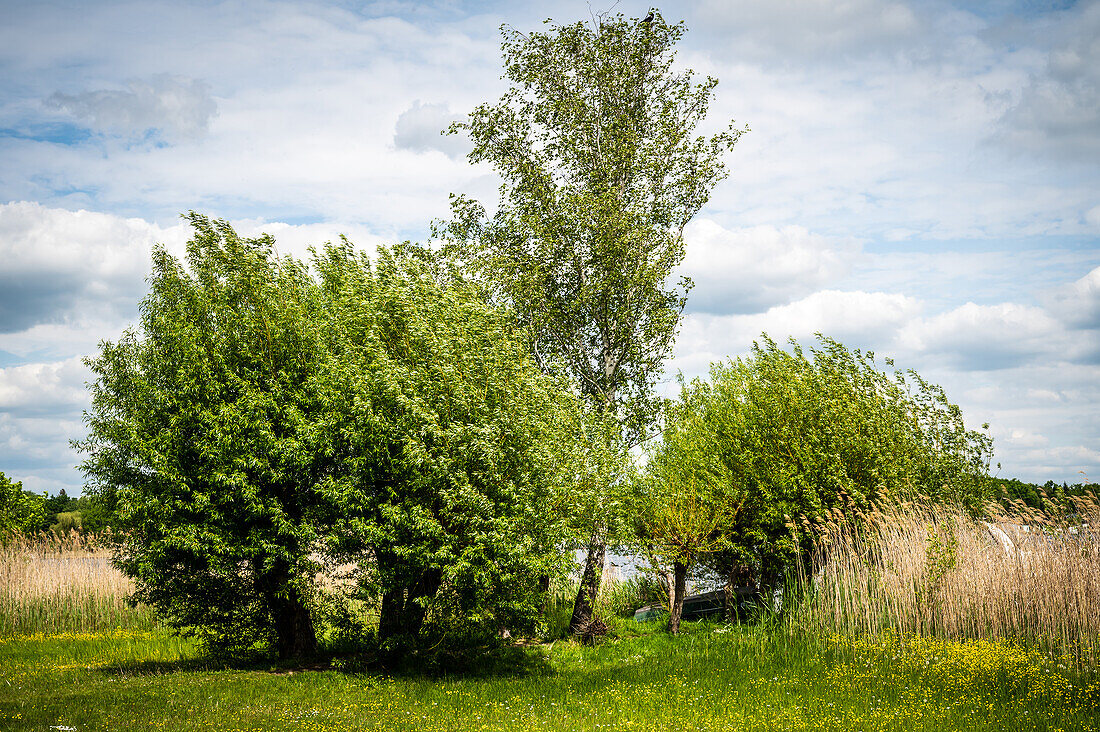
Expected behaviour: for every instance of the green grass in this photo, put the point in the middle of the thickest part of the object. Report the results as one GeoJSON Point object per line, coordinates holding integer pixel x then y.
{"type": "Point", "coordinates": [71, 611]}
{"type": "Point", "coordinates": [709, 678]}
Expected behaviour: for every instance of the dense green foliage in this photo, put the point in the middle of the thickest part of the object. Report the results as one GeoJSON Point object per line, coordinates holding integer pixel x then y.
{"type": "Point", "coordinates": [797, 436]}
{"type": "Point", "coordinates": [20, 511]}
{"type": "Point", "coordinates": [89, 514]}
{"type": "Point", "coordinates": [263, 420]}
{"type": "Point", "coordinates": [1050, 496]}
{"type": "Point", "coordinates": [205, 425]}
{"type": "Point", "coordinates": [594, 140]}
{"type": "Point", "coordinates": [686, 507]}
{"type": "Point", "coordinates": [451, 449]}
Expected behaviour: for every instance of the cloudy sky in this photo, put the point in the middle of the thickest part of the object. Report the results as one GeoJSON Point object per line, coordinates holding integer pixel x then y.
{"type": "Point", "coordinates": [922, 179]}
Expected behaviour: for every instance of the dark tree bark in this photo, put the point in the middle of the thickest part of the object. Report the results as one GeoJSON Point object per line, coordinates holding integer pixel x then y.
{"type": "Point", "coordinates": [544, 593]}
{"type": "Point", "coordinates": [424, 587]}
{"type": "Point", "coordinates": [679, 587]}
{"type": "Point", "coordinates": [729, 602]}
{"type": "Point", "coordinates": [295, 636]}
{"type": "Point", "coordinates": [294, 631]}
{"type": "Point", "coordinates": [590, 584]}
{"type": "Point", "coordinates": [401, 613]}
{"type": "Point", "coordinates": [389, 617]}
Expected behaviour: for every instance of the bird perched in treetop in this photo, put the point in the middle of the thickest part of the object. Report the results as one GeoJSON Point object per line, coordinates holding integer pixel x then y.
{"type": "Point", "coordinates": [648, 18]}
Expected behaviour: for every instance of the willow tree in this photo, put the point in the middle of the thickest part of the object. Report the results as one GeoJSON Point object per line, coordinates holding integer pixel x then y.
{"type": "Point", "coordinates": [794, 438]}
{"type": "Point", "coordinates": [601, 171]}
{"type": "Point", "coordinates": [203, 424]}
{"type": "Point", "coordinates": [261, 418]}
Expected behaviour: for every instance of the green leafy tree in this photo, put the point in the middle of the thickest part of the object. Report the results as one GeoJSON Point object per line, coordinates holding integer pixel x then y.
{"type": "Point", "coordinates": [448, 444]}
{"type": "Point", "coordinates": [687, 506]}
{"type": "Point", "coordinates": [204, 427]}
{"type": "Point", "coordinates": [21, 512]}
{"type": "Point", "coordinates": [98, 513]}
{"type": "Point", "coordinates": [59, 504]}
{"type": "Point", "coordinates": [800, 436]}
{"type": "Point", "coordinates": [264, 420]}
{"type": "Point", "coordinates": [601, 171]}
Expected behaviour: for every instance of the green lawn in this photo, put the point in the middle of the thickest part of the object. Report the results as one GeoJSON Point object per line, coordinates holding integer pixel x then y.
{"type": "Point", "coordinates": [710, 678]}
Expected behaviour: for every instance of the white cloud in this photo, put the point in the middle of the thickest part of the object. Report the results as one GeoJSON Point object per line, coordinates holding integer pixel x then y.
{"type": "Point", "coordinates": [1092, 216]}
{"type": "Point", "coordinates": [296, 240]}
{"type": "Point", "coordinates": [865, 320]}
{"type": "Point", "coordinates": [1059, 111]}
{"type": "Point", "coordinates": [175, 106]}
{"type": "Point", "coordinates": [1022, 438]}
{"type": "Point", "coordinates": [64, 265]}
{"type": "Point", "coordinates": [31, 446]}
{"type": "Point", "coordinates": [1079, 302]}
{"type": "Point", "coordinates": [44, 387]}
{"type": "Point", "coordinates": [785, 29]}
{"type": "Point", "coordinates": [72, 278]}
{"type": "Point", "coordinates": [984, 337]}
{"type": "Point", "coordinates": [420, 128]}
{"type": "Point", "coordinates": [749, 270]}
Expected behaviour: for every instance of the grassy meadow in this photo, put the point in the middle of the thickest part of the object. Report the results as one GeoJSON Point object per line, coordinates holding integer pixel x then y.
{"type": "Point", "coordinates": [709, 678]}
{"type": "Point", "coordinates": [918, 622]}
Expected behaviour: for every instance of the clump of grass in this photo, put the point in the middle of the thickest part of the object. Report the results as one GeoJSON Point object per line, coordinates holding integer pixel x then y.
{"type": "Point", "coordinates": [937, 572]}
{"type": "Point", "coordinates": [617, 600]}
{"type": "Point", "coordinates": [52, 584]}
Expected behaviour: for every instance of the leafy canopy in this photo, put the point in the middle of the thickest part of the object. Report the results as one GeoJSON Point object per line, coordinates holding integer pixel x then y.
{"type": "Point", "coordinates": [21, 512]}
{"type": "Point", "coordinates": [204, 427]}
{"type": "Point", "coordinates": [601, 169]}
{"type": "Point", "coordinates": [265, 419]}
{"type": "Point", "coordinates": [449, 444]}
{"type": "Point", "coordinates": [797, 435]}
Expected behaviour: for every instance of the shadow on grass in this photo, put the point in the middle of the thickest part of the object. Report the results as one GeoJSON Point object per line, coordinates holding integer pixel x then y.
{"type": "Point", "coordinates": [496, 661]}
{"type": "Point", "coordinates": [164, 668]}
{"type": "Point", "coordinates": [485, 662]}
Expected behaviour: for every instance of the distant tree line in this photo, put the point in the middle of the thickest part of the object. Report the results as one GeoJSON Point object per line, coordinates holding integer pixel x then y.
{"type": "Point", "coordinates": [1050, 496]}
{"type": "Point", "coordinates": [26, 512]}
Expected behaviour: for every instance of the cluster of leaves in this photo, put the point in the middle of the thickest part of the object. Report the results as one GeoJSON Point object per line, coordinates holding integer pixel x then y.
{"type": "Point", "coordinates": [601, 171]}
{"type": "Point", "coordinates": [21, 511]}
{"type": "Point", "coordinates": [25, 512]}
{"type": "Point", "coordinates": [263, 419]}
{"type": "Point", "coordinates": [1050, 496]}
{"type": "Point", "coordinates": [774, 443]}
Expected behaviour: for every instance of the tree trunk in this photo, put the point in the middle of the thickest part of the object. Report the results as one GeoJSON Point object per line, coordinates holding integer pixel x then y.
{"type": "Point", "coordinates": [295, 636]}
{"type": "Point", "coordinates": [590, 584]}
{"type": "Point", "coordinates": [389, 616]}
{"type": "Point", "coordinates": [401, 613]}
{"type": "Point", "coordinates": [679, 588]}
{"type": "Point", "coordinates": [544, 593]}
{"type": "Point", "coordinates": [729, 603]}
{"type": "Point", "coordinates": [425, 587]}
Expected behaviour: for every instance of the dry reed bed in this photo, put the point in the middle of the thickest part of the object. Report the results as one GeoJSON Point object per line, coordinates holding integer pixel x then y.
{"type": "Point", "coordinates": [52, 584]}
{"type": "Point", "coordinates": [935, 571]}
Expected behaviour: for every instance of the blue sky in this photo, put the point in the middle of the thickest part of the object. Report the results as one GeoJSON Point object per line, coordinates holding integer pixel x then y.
{"type": "Point", "coordinates": [921, 179]}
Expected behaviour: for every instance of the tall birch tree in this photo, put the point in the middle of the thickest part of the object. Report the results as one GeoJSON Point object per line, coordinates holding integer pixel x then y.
{"type": "Point", "coordinates": [601, 171]}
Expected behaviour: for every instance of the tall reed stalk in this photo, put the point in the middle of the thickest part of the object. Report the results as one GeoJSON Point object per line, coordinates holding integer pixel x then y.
{"type": "Point", "coordinates": [54, 584]}
{"type": "Point", "coordinates": [935, 571]}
